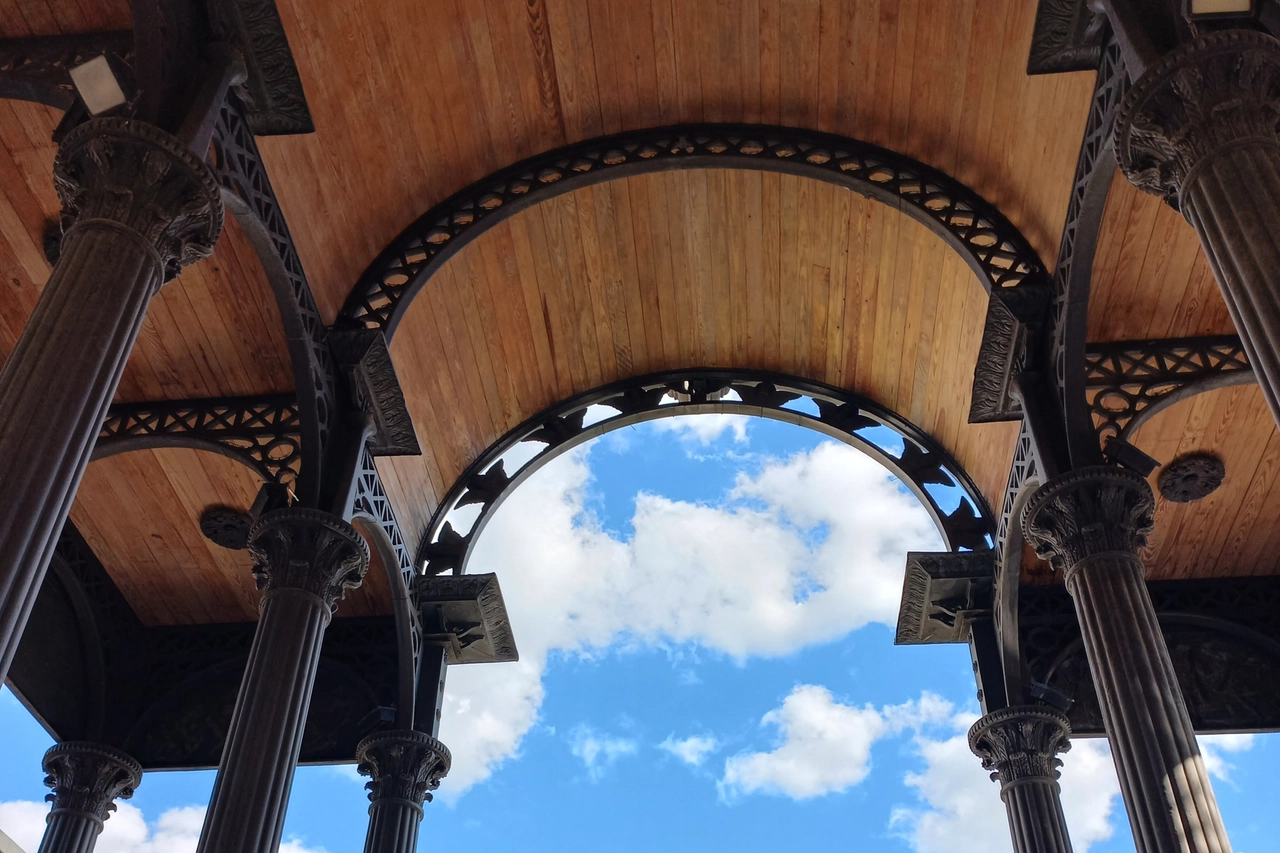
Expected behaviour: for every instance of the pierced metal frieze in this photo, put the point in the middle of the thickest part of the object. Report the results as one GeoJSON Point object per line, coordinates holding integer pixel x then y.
{"type": "Point", "coordinates": [263, 432]}
{"type": "Point", "coordinates": [996, 251]}
{"type": "Point", "coordinates": [943, 487]}
{"type": "Point", "coordinates": [1223, 637]}
{"type": "Point", "coordinates": [36, 68]}
{"type": "Point", "coordinates": [239, 170]}
{"type": "Point", "coordinates": [1129, 381]}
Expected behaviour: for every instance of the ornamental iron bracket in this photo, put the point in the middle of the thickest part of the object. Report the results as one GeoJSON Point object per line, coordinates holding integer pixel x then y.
{"type": "Point", "coordinates": [942, 594]}
{"type": "Point", "coordinates": [467, 616]}
{"type": "Point", "coordinates": [275, 104]}
{"type": "Point", "coordinates": [1129, 381]}
{"type": "Point", "coordinates": [264, 433]}
{"type": "Point", "coordinates": [363, 356]}
{"type": "Point", "coordinates": [1068, 36]}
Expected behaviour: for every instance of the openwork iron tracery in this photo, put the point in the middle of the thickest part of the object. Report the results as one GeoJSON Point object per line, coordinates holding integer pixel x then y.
{"type": "Point", "coordinates": [1129, 381]}
{"type": "Point", "coordinates": [946, 491]}
{"type": "Point", "coordinates": [265, 433]}
{"type": "Point", "coordinates": [995, 250]}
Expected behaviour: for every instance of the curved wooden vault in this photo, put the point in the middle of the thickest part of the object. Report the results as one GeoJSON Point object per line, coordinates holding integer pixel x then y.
{"type": "Point", "coordinates": [867, 195]}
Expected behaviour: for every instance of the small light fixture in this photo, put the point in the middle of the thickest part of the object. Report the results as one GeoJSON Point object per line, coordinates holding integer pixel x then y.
{"type": "Point", "coordinates": [97, 85]}
{"type": "Point", "coordinates": [1207, 10]}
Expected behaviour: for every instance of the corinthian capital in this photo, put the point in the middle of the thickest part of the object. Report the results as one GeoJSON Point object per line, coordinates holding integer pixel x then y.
{"type": "Point", "coordinates": [309, 550]}
{"type": "Point", "coordinates": [1021, 742]}
{"type": "Point", "coordinates": [404, 765]}
{"type": "Point", "coordinates": [89, 777]}
{"type": "Point", "coordinates": [136, 175]}
{"type": "Point", "coordinates": [1089, 511]}
{"type": "Point", "coordinates": [1219, 90]}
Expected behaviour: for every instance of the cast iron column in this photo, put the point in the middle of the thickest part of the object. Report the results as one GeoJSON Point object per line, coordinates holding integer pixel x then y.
{"type": "Point", "coordinates": [304, 560]}
{"type": "Point", "coordinates": [1020, 745]}
{"type": "Point", "coordinates": [138, 205]}
{"type": "Point", "coordinates": [1090, 524]}
{"type": "Point", "coordinates": [1200, 129]}
{"type": "Point", "coordinates": [405, 766]}
{"type": "Point", "coordinates": [86, 779]}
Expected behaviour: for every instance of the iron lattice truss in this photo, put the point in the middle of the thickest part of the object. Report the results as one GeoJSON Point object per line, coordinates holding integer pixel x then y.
{"type": "Point", "coordinates": [946, 491]}
{"type": "Point", "coordinates": [996, 250]}
{"type": "Point", "coordinates": [263, 432]}
{"type": "Point", "coordinates": [239, 169]}
{"type": "Point", "coordinates": [371, 502]}
{"type": "Point", "coordinates": [1129, 381]}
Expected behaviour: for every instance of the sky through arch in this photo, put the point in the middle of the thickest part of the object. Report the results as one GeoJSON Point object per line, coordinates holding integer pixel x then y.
{"type": "Point", "coordinates": [703, 606]}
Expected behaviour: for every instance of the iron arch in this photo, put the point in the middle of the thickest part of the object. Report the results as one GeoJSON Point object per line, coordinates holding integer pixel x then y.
{"type": "Point", "coordinates": [903, 448]}
{"type": "Point", "coordinates": [995, 250]}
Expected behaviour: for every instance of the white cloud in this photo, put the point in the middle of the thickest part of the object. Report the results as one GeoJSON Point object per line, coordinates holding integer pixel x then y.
{"type": "Point", "coordinates": [1212, 748]}
{"type": "Point", "coordinates": [125, 831]}
{"type": "Point", "coordinates": [962, 811]}
{"type": "Point", "coordinates": [704, 429]}
{"type": "Point", "coordinates": [691, 750]}
{"type": "Point", "coordinates": [825, 745]}
{"type": "Point", "coordinates": [752, 577]}
{"type": "Point", "coordinates": [598, 750]}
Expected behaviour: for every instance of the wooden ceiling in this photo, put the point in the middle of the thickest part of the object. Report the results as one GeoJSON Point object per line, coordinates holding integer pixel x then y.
{"type": "Point", "coordinates": [414, 99]}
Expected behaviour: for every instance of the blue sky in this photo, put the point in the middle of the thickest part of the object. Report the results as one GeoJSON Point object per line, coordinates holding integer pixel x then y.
{"type": "Point", "coordinates": [703, 607]}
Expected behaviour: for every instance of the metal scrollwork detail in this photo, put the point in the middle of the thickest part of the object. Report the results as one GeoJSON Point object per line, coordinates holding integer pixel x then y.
{"type": "Point", "coordinates": [1129, 381]}
{"type": "Point", "coordinates": [996, 251]}
{"type": "Point", "coordinates": [403, 765]}
{"type": "Point", "coordinates": [1021, 742]}
{"type": "Point", "coordinates": [309, 550]}
{"type": "Point", "coordinates": [1088, 511]}
{"type": "Point", "coordinates": [263, 432]}
{"type": "Point", "coordinates": [89, 777]}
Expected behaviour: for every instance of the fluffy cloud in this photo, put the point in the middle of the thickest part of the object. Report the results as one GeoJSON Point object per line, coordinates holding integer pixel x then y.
{"type": "Point", "coordinates": [126, 831]}
{"type": "Point", "coordinates": [704, 429]}
{"type": "Point", "coordinates": [962, 811]}
{"type": "Point", "coordinates": [1213, 747]}
{"type": "Point", "coordinates": [825, 745]}
{"type": "Point", "coordinates": [598, 750]}
{"type": "Point", "coordinates": [803, 552]}
{"type": "Point", "coordinates": [691, 750]}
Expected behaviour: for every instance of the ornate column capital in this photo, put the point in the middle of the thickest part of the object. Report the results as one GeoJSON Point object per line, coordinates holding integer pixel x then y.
{"type": "Point", "coordinates": [310, 550]}
{"type": "Point", "coordinates": [135, 175]}
{"type": "Point", "coordinates": [1089, 511]}
{"type": "Point", "coordinates": [403, 765]}
{"type": "Point", "coordinates": [89, 777]}
{"type": "Point", "coordinates": [1021, 742]}
{"type": "Point", "coordinates": [1218, 90]}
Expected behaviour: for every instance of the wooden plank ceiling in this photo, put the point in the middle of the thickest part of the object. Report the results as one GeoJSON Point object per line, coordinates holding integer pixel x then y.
{"type": "Point", "coordinates": [414, 99]}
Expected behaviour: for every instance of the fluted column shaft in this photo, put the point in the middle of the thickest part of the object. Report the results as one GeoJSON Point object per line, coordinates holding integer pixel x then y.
{"type": "Point", "coordinates": [1020, 746]}
{"type": "Point", "coordinates": [304, 560]}
{"type": "Point", "coordinates": [1233, 202]}
{"type": "Point", "coordinates": [139, 205]}
{"type": "Point", "coordinates": [1090, 523]}
{"type": "Point", "coordinates": [405, 767]}
{"type": "Point", "coordinates": [1200, 129]}
{"type": "Point", "coordinates": [86, 779]}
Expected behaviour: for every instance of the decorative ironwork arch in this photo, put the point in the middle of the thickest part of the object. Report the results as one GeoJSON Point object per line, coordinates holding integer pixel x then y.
{"type": "Point", "coordinates": [943, 487]}
{"type": "Point", "coordinates": [992, 246]}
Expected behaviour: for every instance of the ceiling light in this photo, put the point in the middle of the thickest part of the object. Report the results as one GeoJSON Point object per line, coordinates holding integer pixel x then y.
{"type": "Point", "coordinates": [97, 85]}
